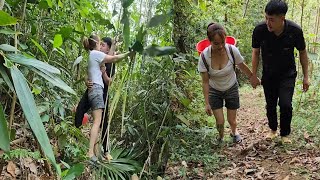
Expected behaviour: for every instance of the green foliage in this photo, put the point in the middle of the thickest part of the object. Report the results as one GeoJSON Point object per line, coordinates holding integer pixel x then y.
{"type": "Point", "coordinates": [21, 154]}
{"type": "Point", "coordinates": [73, 172]}
{"type": "Point", "coordinates": [6, 19]}
{"type": "Point", "coordinates": [122, 166]}
{"type": "Point", "coordinates": [4, 138]}
{"type": "Point", "coordinates": [29, 108]}
{"type": "Point", "coordinates": [195, 146]}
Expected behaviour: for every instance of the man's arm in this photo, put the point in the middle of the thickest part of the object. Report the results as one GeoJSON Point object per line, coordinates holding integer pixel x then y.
{"type": "Point", "coordinates": [304, 63]}
{"type": "Point", "coordinates": [255, 62]}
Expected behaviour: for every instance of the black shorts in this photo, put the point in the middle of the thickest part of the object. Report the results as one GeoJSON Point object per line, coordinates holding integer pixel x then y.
{"type": "Point", "coordinates": [230, 97]}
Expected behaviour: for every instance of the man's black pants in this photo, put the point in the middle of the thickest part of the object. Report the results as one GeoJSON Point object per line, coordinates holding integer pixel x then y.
{"type": "Point", "coordinates": [279, 93]}
{"type": "Point", "coordinates": [84, 107]}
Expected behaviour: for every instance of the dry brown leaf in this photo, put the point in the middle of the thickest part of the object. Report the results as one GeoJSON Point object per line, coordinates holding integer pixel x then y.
{"type": "Point", "coordinates": [33, 177]}
{"type": "Point", "coordinates": [11, 169]}
{"type": "Point", "coordinates": [250, 171]}
{"type": "Point", "coordinates": [294, 173]}
{"type": "Point", "coordinates": [33, 168]}
{"type": "Point", "coordinates": [317, 159]}
{"type": "Point", "coordinates": [134, 177]}
{"type": "Point", "coordinates": [306, 137]}
{"type": "Point", "coordinates": [294, 160]}
{"type": "Point", "coordinates": [184, 164]}
{"type": "Point", "coordinates": [287, 178]}
{"type": "Point", "coordinates": [231, 171]}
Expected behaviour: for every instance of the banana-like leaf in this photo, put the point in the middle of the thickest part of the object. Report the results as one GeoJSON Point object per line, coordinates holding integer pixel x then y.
{"type": "Point", "coordinates": [4, 138]}
{"type": "Point", "coordinates": [157, 20]}
{"type": "Point", "coordinates": [155, 50]}
{"type": "Point", "coordinates": [29, 108]}
{"type": "Point", "coordinates": [9, 48]}
{"type": "Point", "coordinates": [6, 19]}
{"type": "Point", "coordinates": [54, 80]}
{"type": "Point", "coordinates": [6, 77]}
{"type": "Point", "coordinates": [126, 28]}
{"type": "Point", "coordinates": [9, 32]}
{"type": "Point", "coordinates": [21, 59]}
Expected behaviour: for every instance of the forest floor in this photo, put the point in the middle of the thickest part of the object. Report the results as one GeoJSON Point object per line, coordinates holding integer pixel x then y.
{"type": "Point", "coordinates": [254, 158]}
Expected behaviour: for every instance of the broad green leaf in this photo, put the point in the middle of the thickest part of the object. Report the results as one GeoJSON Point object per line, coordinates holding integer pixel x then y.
{"type": "Point", "coordinates": [6, 19]}
{"type": "Point", "coordinates": [54, 80]}
{"type": "Point", "coordinates": [203, 5]}
{"type": "Point", "coordinates": [57, 42]}
{"type": "Point", "coordinates": [126, 3]}
{"type": "Point", "coordinates": [60, 4]}
{"type": "Point", "coordinates": [29, 108]}
{"type": "Point", "coordinates": [155, 50]}
{"type": "Point", "coordinates": [103, 21]}
{"type": "Point", "coordinates": [66, 31]}
{"type": "Point", "coordinates": [49, 3]}
{"type": "Point", "coordinates": [183, 119]}
{"type": "Point", "coordinates": [23, 46]}
{"type": "Point", "coordinates": [6, 77]}
{"type": "Point", "coordinates": [45, 118]}
{"type": "Point", "coordinates": [4, 138]}
{"type": "Point", "coordinates": [39, 47]}
{"type": "Point", "coordinates": [8, 32]}
{"type": "Point", "coordinates": [126, 28]}
{"type": "Point", "coordinates": [74, 172]}
{"type": "Point", "coordinates": [141, 34]}
{"type": "Point", "coordinates": [157, 20]}
{"type": "Point", "coordinates": [137, 46]}
{"type": "Point", "coordinates": [9, 48]}
{"type": "Point", "coordinates": [31, 62]}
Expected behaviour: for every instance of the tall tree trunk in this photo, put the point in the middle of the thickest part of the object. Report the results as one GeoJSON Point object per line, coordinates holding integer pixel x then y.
{"type": "Point", "coordinates": [179, 25]}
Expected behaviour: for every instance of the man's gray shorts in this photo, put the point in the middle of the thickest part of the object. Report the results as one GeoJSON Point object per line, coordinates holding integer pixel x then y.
{"type": "Point", "coordinates": [95, 95]}
{"type": "Point", "coordinates": [230, 97]}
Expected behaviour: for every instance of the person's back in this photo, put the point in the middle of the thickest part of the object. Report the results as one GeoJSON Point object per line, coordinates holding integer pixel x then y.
{"type": "Point", "coordinates": [94, 73]}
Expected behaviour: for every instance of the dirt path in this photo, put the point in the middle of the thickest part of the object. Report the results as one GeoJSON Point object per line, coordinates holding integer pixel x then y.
{"type": "Point", "coordinates": [256, 158]}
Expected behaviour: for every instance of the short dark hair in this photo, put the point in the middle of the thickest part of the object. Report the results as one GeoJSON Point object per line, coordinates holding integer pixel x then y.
{"type": "Point", "coordinates": [107, 40]}
{"type": "Point", "coordinates": [215, 28]}
{"type": "Point", "coordinates": [276, 7]}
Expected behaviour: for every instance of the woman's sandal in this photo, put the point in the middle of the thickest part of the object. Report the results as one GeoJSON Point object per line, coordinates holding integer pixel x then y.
{"type": "Point", "coordinates": [236, 138]}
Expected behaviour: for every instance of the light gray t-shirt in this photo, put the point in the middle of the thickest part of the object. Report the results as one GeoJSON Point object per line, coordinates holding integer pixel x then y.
{"type": "Point", "coordinates": [225, 78]}
{"type": "Point", "coordinates": [94, 73]}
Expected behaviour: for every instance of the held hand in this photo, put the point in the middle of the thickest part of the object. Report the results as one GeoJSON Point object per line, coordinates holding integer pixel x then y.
{"type": "Point", "coordinates": [209, 110]}
{"type": "Point", "coordinates": [305, 85]}
{"type": "Point", "coordinates": [254, 81]}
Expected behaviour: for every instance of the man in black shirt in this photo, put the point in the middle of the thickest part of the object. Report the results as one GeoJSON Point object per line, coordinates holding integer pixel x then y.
{"type": "Point", "coordinates": [277, 37]}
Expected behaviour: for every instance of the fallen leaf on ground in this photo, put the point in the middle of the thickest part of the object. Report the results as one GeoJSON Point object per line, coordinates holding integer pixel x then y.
{"type": "Point", "coordinates": [294, 160]}
{"type": "Point", "coordinates": [250, 171]}
{"type": "Point", "coordinates": [231, 171]}
{"type": "Point", "coordinates": [184, 164]}
{"type": "Point", "coordinates": [317, 159]}
{"type": "Point", "coordinates": [33, 168]}
{"type": "Point", "coordinates": [11, 168]}
{"type": "Point", "coordinates": [287, 178]}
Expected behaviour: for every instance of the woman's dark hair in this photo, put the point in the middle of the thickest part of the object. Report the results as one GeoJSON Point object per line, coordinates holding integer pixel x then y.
{"type": "Point", "coordinates": [276, 7]}
{"type": "Point", "coordinates": [91, 42]}
{"type": "Point", "coordinates": [215, 28]}
{"type": "Point", "coordinates": [107, 40]}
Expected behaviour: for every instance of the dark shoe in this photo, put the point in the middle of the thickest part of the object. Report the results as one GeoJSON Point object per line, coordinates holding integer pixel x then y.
{"type": "Point", "coordinates": [236, 138]}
